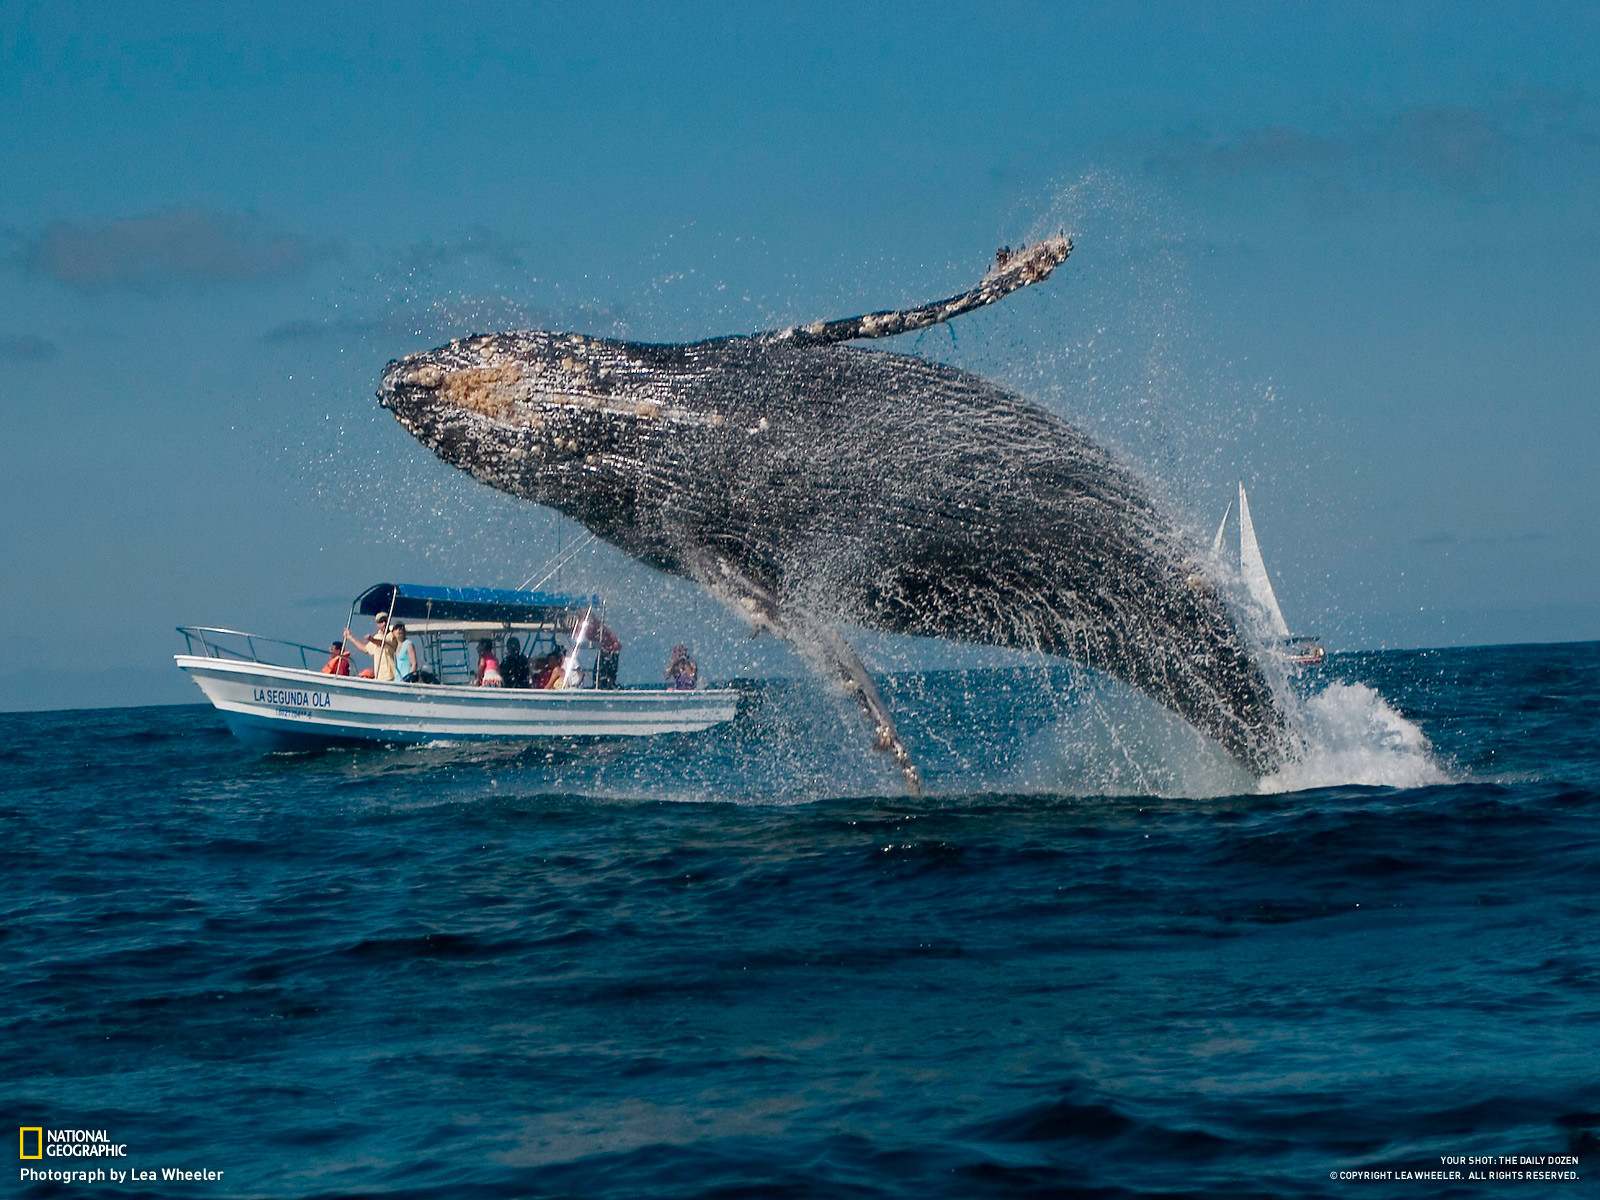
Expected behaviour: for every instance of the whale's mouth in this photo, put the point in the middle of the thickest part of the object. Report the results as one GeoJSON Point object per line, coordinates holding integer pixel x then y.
{"type": "Point", "coordinates": [515, 394]}
{"type": "Point", "coordinates": [499, 392]}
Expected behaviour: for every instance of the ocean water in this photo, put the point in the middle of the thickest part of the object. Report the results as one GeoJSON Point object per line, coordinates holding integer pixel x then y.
{"type": "Point", "coordinates": [1093, 961]}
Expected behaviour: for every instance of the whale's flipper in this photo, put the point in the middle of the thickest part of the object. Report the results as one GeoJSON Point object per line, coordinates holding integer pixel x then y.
{"type": "Point", "coordinates": [1012, 270]}
{"type": "Point", "coordinates": [820, 645]}
{"type": "Point", "coordinates": [828, 650]}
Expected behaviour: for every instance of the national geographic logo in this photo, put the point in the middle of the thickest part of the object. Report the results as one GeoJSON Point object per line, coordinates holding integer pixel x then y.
{"type": "Point", "coordinates": [37, 1142]}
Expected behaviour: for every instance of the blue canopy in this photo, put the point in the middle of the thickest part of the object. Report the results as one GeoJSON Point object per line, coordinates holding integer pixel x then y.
{"type": "Point", "coordinates": [417, 602]}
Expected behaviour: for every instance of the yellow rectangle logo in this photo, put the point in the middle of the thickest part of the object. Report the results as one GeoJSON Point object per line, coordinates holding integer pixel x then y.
{"type": "Point", "coordinates": [38, 1141]}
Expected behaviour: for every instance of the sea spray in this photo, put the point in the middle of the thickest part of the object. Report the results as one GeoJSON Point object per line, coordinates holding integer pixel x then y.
{"type": "Point", "coordinates": [1353, 736]}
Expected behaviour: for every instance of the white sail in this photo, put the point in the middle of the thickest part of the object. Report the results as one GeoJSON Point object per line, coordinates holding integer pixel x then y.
{"type": "Point", "coordinates": [1255, 571]}
{"type": "Point", "coordinates": [1216, 542]}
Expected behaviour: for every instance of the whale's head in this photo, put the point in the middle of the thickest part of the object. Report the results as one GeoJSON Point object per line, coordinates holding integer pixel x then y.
{"type": "Point", "coordinates": [558, 418]}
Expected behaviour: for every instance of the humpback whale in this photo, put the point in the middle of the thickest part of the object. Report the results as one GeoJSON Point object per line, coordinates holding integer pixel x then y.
{"type": "Point", "coordinates": [811, 484]}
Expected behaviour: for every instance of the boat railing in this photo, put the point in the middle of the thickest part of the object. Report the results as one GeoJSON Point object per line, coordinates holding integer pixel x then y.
{"type": "Point", "coordinates": [213, 642]}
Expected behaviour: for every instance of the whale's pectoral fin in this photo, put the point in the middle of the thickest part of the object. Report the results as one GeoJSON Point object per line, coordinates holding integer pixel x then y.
{"type": "Point", "coordinates": [821, 646]}
{"type": "Point", "coordinates": [829, 651]}
{"type": "Point", "coordinates": [1011, 270]}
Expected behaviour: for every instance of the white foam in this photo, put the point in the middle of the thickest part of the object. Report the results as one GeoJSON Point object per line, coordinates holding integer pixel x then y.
{"type": "Point", "coordinates": [1353, 736]}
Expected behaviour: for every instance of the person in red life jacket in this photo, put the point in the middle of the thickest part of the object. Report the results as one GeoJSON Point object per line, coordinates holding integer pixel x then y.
{"type": "Point", "coordinates": [338, 660]}
{"type": "Point", "coordinates": [488, 666]}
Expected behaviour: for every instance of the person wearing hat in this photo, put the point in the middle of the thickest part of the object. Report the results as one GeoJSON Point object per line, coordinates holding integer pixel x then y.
{"type": "Point", "coordinates": [381, 645]}
{"type": "Point", "coordinates": [338, 660]}
{"type": "Point", "coordinates": [682, 674]}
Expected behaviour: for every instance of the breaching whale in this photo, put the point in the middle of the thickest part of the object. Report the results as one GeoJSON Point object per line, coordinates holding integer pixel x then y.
{"type": "Point", "coordinates": [813, 484]}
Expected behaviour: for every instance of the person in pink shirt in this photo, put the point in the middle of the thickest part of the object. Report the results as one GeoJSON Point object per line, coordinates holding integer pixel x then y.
{"type": "Point", "coordinates": [488, 666]}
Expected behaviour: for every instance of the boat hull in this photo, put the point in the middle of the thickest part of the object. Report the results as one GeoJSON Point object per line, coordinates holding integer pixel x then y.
{"type": "Point", "coordinates": [288, 708]}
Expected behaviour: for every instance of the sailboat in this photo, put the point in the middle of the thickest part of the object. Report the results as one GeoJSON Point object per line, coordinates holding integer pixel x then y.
{"type": "Point", "coordinates": [1302, 650]}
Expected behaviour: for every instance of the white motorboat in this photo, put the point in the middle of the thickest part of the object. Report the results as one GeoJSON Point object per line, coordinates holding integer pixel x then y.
{"type": "Point", "coordinates": [1301, 650]}
{"type": "Point", "coordinates": [274, 694]}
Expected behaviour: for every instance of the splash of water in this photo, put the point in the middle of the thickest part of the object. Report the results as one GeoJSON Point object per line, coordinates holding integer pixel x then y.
{"type": "Point", "coordinates": [1354, 736]}
{"type": "Point", "coordinates": [1106, 740]}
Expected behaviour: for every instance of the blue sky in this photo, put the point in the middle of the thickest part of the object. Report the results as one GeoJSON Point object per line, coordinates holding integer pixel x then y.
{"type": "Point", "coordinates": [1347, 253]}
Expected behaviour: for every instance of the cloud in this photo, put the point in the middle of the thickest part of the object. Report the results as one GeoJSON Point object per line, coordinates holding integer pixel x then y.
{"type": "Point", "coordinates": [440, 322]}
{"type": "Point", "coordinates": [27, 348]}
{"type": "Point", "coordinates": [1452, 146]}
{"type": "Point", "coordinates": [150, 253]}
{"type": "Point", "coordinates": [1273, 148]}
{"type": "Point", "coordinates": [306, 329]}
{"type": "Point", "coordinates": [1461, 148]}
{"type": "Point", "coordinates": [475, 243]}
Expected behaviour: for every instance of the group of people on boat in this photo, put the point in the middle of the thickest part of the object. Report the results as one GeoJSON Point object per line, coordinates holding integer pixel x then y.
{"type": "Point", "coordinates": [394, 654]}
{"type": "Point", "coordinates": [394, 659]}
{"type": "Point", "coordinates": [550, 671]}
